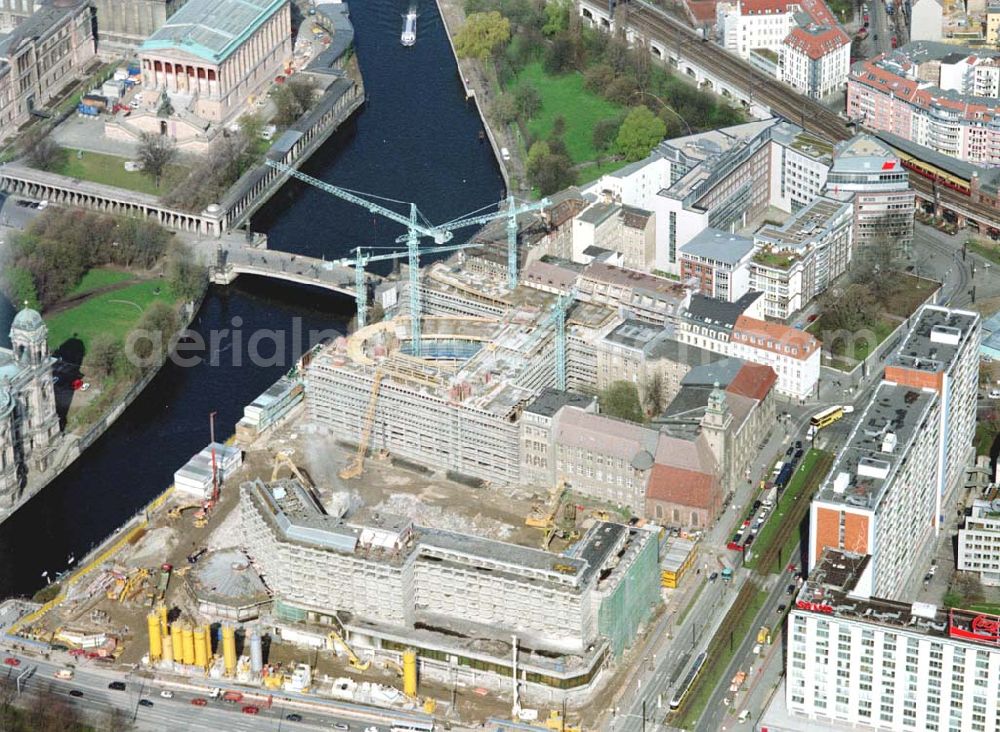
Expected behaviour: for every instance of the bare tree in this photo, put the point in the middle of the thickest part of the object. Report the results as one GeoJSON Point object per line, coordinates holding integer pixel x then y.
{"type": "Point", "coordinates": [155, 153]}
{"type": "Point", "coordinates": [46, 154]}
{"type": "Point", "coordinates": [653, 399]}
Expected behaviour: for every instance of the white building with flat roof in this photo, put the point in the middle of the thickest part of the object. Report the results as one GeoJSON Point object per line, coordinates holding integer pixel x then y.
{"type": "Point", "coordinates": [979, 542]}
{"type": "Point", "coordinates": [856, 660]}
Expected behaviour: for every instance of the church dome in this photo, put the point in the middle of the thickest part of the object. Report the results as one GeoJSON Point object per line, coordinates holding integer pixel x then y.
{"type": "Point", "coordinates": [6, 402]}
{"type": "Point", "coordinates": [28, 320]}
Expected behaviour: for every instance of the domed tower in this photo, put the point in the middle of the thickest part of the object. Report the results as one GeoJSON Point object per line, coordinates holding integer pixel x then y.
{"type": "Point", "coordinates": [38, 418]}
{"type": "Point", "coordinates": [9, 482]}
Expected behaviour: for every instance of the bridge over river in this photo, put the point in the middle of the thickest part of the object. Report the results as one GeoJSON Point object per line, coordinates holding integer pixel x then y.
{"type": "Point", "coordinates": [231, 256]}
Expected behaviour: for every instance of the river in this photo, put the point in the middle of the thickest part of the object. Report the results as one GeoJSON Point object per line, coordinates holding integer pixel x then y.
{"type": "Point", "coordinates": [416, 139]}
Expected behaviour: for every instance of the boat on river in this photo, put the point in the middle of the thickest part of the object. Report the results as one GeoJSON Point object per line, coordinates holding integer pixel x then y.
{"type": "Point", "coordinates": [409, 36]}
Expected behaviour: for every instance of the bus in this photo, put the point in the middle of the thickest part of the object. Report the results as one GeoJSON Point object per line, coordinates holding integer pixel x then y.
{"type": "Point", "coordinates": [412, 725]}
{"type": "Point", "coordinates": [825, 419]}
{"type": "Point", "coordinates": [688, 682]}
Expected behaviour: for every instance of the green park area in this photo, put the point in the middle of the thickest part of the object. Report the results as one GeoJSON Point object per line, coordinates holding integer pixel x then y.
{"type": "Point", "coordinates": [564, 95]}
{"type": "Point", "coordinates": [98, 279]}
{"type": "Point", "coordinates": [110, 170]}
{"type": "Point", "coordinates": [115, 313]}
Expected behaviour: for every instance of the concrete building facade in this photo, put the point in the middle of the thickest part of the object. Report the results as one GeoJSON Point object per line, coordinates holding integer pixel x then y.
{"type": "Point", "coordinates": [127, 23]}
{"type": "Point", "coordinates": [979, 543]}
{"type": "Point", "coordinates": [50, 44]}
{"type": "Point", "coordinates": [857, 660]}
{"type": "Point", "coordinates": [719, 261]}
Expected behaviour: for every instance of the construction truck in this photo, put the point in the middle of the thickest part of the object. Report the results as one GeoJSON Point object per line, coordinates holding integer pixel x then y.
{"type": "Point", "coordinates": [357, 465]}
{"type": "Point", "coordinates": [557, 723]}
{"type": "Point", "coordinates": [356, 663]}
{"type": "Point", "coordinates": [283, 457]}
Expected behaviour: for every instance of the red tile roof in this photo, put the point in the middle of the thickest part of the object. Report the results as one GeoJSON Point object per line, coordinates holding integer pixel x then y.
{"type": "Point", "coordinates": [753, 381]}
{"type": "Point", "coordinates": [816, 42]}
{"type": "Point", "coordinates": [774, 337]}
{"type": "Point", "coordinates": [766, 7]}
{"type": "Point", "coordinates": [684, 487]}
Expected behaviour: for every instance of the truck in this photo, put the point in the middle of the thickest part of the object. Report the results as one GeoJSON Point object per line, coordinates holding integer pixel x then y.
{"type": "Point", "coordinates": [769, 496]}
{"type": "Point", "coordinates": [233, 697]}
{"type": "Point", "coordinates": [727, 574]}
{"type": "Point", "coordinates": [764, 635]}
{"type": "Point", "coordinates": [784, 476]}
{"type": "Point", "coordinates": [737, 681]}
{"type": "Point", "coordinates": [64, 673]}
{"type": "Point", "coordinates": [87, 110]}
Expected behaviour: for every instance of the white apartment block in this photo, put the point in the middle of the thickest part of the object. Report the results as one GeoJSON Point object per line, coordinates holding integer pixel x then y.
{"type": "Point", "coordinates": [979, 543]}
{"type": "Point", "coordinates": [816, 60]}
{"type": "Point", "coordinates": [800, 162]}
{"type": "Point", "coordinates": [895, 478]}
{"type": "Point", "coordinates": [941, 352]}
{"type": "Point", "coordinates": [813, 50]}
{"type": "Point", "coordinates": [635, 184]}
{"type": "Point", "coordinates": [855, 660]}
{"type": "Point", "coordinates": [795, 262]}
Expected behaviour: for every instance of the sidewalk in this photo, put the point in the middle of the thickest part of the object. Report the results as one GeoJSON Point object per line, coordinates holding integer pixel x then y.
{"type": "Point", "coordinates": [476, 79]}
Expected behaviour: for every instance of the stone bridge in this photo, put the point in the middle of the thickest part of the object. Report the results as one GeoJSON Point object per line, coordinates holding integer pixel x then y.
{"type": "Point", "coordinates": [231, 256]}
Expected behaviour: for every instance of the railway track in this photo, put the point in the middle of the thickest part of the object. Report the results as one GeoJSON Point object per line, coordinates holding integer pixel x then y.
{"type": "Point", "coordinates": [812, 116]}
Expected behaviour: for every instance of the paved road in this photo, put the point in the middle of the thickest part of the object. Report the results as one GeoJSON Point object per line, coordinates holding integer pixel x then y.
{"type": "Point", "coordinates": [179, 713]}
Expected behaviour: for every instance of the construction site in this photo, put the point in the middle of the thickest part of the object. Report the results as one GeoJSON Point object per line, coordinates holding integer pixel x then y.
{"type": "Point", "coordinates": [376, 531]}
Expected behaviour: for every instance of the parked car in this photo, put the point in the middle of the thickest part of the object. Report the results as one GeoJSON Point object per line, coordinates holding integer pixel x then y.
{"type": "Point", "coordinates": [781, 608]}
{"type": "Point", "coordinates": [505, 153]}
{"type": "Point", "coordinates": [714, 576]}
{"type": "Point", "coordinates": [790, 589]}
{"type": "Point", "coordinates": [12, 662]}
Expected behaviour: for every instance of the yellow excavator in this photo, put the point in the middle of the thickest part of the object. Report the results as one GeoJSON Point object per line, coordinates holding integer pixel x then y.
{"type": "Point", "coordinates": [282, 457]}
{"type": "Point", "coordinates": [175, 513]}
{"type": "Point", "coordinates": [356, 663]}
{"type": "Point", "coordinates": [543, 517]}
{"type": "Point", "coordinates": [357, 466]}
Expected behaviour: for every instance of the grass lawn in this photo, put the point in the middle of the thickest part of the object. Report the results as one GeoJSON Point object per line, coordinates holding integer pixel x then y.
{"type": "Point", "coordinates": [110, 171]}
{"type": "Point", "coordinates": [565, 96]}
{"type": "Point", "coordinates": [113, 312]}
{"type": "Point", "coordinates": [712, 674]}
{"type": "Point", "coordinates": [987, 251]}
{"type": "Point", "coordinates": [859, 347]}
{"type": "Point", "coordinates": [595, 171]}
{"type": "Point", "coordinates": [97, 278]}
{"type": "Point", "coordinates": [789, 497]}
{"type": "Point", "coordinates": [910, 292]}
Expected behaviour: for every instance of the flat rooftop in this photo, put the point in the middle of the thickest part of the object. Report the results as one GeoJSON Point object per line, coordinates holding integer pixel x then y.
{"type": "Point", "coordinates": [636, 334]}
{"type": "Point", "coordinates": [878, 444]}
{"type": "Point", "coordinates": [806, 226]}
{"type": "Point", "coordinates": [935, 340]}
{"type": "Point", "coordinates": [836, 587]}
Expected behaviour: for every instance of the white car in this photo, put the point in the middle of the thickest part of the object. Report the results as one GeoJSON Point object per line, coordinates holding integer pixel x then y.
{"type": "Point", "coordinates": [756, 650]}
{"type": "Point", "coordinates": [167, 694]}
{"type": "Point", "coordinates": [994, 393]}
{"type": "Point", "coordinates": [505, 153]}
{"type": "Point", "coordinates": [42, 205]}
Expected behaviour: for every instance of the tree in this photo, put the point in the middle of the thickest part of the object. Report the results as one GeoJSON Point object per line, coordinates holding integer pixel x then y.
{"type": "Point", "coordinates": [155, 153]}
{"type": "Point", "coordinates": [187, 278]}
{"type": "Point", "coordinates": [598, 77]}
{"type": "Point", "coordinates": [547, 170]}
{"type": "Point", "coordinates": [528, 100]}
{"type": "Point", "coordinates": [559, 126]}
{"type": "Point", "coordinates": [604, 133]}
{"type": "Point", "coordinates": [481, 35]}
{"type": "Point", "coordinates": [640, 132]}
{"type": "Point", "coordinates": [46, 155]}
{"type": "Point", "coordinates": [875, 261]}
{"type": "Point", "coordinates": [621, 400]}
{"type": "Point", "coordinates": [560, 54]}
{"type": "Point", "coordinates": [505, 108]}
{"type": "Point", "coordinates": [653, 398]}
{"type": "Point", "coordinates": [557, 14]}
{"type": "Point", "coordinates": [102, 356]}
{"type": "Point", "coordinates": [292, 99]}
{"type": "Point", "coordinates": [251, 125]}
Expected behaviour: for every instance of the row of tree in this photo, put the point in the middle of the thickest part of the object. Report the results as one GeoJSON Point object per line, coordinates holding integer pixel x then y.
{"type": "Point", "coordinates": [43, 264]}
{"type": "Point", "coordinates": [45, 711]}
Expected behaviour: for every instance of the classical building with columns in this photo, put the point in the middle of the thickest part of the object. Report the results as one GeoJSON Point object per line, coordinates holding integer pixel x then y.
{"type": "Point", "coordinates": [211, 56]}
{"type": "Point", "coordinates": [29, 423]}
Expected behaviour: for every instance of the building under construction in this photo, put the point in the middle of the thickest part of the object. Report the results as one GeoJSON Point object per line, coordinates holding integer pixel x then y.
{"type": "Point", "coordinates": [388, 584]}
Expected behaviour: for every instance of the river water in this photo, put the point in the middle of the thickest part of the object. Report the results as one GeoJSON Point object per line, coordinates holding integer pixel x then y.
{"type": "Point", "coordinates": [416, 139]}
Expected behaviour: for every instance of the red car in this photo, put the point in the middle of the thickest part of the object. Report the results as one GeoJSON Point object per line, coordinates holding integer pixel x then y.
{"type": "Point", "coordinates": [12, 662]}
{"type": "Point", "coordinates": [250, 709]}
{"type": "Point", "coordinates": [199, 702]}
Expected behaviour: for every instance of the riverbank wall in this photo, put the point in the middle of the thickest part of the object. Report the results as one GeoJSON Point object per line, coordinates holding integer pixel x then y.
{"type": "Point", "coordinates": [476, 87]}
{"type": "Point", "coordinates": [72, 446]}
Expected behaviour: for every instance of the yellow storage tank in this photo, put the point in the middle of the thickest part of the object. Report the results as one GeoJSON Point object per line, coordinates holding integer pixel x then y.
{"type": "Point", "coordinates": [208, 643]}
{"type": "Point", "coordinates": [187, 635]}
{"type": "Point", "coordinates": [177, 642]}
{"type": "Point", "coordinates": [168, 649]}
{"type": "Point", "coordinates": [229, 648]}
{"type": "Point", "coordinates": [155, 639]}
{"type": "Point", "coordinates": [163, 620]}
{"type": "Point", "coordinates": [199, 648]}
{"type": "Point", "coordinates": [410, 673]}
